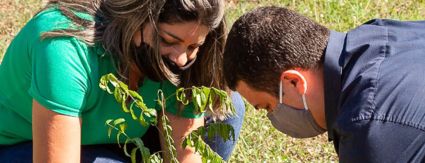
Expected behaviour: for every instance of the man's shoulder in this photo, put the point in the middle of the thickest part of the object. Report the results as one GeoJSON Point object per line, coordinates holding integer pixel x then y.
{"type": "Point", "coordinates": [384, 30]}
{"type": "Point", "coordinates": [394, 23]}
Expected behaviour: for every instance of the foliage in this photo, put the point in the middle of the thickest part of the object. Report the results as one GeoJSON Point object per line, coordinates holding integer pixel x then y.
{"type": "Point", "coordinates": [203, 99]}
{"type": "Point", "coordinates": [120, 125]}
{"type": "Point", "coordinates": [129, 99]}
{"type": "Point", "coordinates": [166, 130]}
{"type": "Point", "coordinates": [194, 139]}
{"type": "Point", "coordinates": [258, 141]}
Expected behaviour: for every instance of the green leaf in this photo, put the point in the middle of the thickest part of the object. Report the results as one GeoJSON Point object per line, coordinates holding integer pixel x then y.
{"type": "Point", "coordinates": [124, 105]}
{"type": "Point", "coordinates": [179, 93]}
{"type": "Point", "coordinates": [133, 115]}
{"type": "Point", "coordinates": [118, 138]}
{"type": "Point", "coordinates": [181, 96]}
{"type": "Point", "coordinates": [203, 102]}
{"type": "Point", "coordinates": [142, 120]}
{"type": "Point", "coordinates": [156, 158]}
{"type": "Point", "coordinates": [119, 121]}
{"type": "Point", "coordinates": [112, 79]}
{"type": "Point", "coordinates": [135, 95]}
{"type": "Point", "coordinates": [151, 112]}
{"type": "Point", "coordinates": [125, 147]}
{"type": "Point", "coordinates": [206, 94]}
{"type": "Point", "coordinates": [141, 105]}
{"type": "Point", "coordinates": [103, 84]}
{"type": "Point", "coordinates": [154, 121]}
{"type": "Point", "coordinates": [108, 122]}
{"type": "Point", "coordinates": [123, 86]}
{"type": "Point", "coordinates": [138, 142]}
{"type": "Point", "coordinates": [198, 101]}
{"type": "Point", "coordinates": [109, 131]}
{"type": "Point", "coordinates": [133, 155]}
{"type": "Point", "coordinates": [211, 100]}
{"type": "Point", "coordinates": [186, 142]}
{"type": "Point", "coordinates": [211, 135]}
{"type": "Point", "coordinates": [145, 154]}
{"type": "Point", "coordinates": [117, 95]}
{"type": "Point", "coordinates": [122, 127]}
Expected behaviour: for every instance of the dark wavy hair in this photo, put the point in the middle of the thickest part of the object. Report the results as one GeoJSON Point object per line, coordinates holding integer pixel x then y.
{"type": "Point", "coordinates": [269, 40]}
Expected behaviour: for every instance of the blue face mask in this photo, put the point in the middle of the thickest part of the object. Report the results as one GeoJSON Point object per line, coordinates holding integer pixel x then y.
{"type": "Point", "coordinates": [297, 123]}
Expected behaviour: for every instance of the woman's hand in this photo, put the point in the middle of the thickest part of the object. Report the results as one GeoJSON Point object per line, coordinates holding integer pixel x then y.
{"type": "Point", "coordinates": [181, 128]}
{"type": "Point", "coordinates": [56, 137]}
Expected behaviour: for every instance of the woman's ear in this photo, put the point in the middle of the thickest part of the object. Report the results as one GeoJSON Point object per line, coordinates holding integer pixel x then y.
{"type": "Point", "coordinates": [294, 79]}
{"type": "Point", "coordinates": [143, 35]}
{"type": "Point", "coordinates": [137, 38]}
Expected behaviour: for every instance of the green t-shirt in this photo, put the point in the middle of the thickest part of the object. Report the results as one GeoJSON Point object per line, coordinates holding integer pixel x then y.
{"type": "Point", "coordinates": [63, 74]}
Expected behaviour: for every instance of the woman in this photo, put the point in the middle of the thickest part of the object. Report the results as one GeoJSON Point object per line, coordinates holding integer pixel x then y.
{"type": "Point", "coordinates": [51, 101]}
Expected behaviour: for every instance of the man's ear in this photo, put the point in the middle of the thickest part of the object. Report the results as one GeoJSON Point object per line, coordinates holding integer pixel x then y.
{"type": "Point", "coordinates": [295, 79]}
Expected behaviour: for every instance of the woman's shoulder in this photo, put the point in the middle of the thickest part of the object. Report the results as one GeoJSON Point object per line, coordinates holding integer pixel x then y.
{"type": "Point", "coordinates": [30, 42]}
{"type": "Point", "coordinates": [52, 18]}
{"type": "Point", "coordinates": [49, 19]}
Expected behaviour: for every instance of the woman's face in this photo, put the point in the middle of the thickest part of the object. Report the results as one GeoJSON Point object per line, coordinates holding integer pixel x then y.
{"type": "Point", "coordinates": [179, 42]}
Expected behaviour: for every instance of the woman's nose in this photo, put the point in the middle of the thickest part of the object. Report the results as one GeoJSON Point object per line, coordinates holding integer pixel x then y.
{"type": "Point", "coordinates": [181, 60]}
{"type": "Point", "coordinates": [179, 57]}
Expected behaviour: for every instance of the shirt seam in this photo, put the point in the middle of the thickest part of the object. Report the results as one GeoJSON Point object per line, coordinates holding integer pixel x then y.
{"type": "Point", "coordinates": [84, 48]}
{"type": "Point", "coordinates": [378, 74]}
{"type": "Point", "coordinates": [391, 120]}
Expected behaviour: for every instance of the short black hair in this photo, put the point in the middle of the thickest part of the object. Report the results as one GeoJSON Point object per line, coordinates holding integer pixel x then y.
{"type": "Point", "coordinates": [269, 40]}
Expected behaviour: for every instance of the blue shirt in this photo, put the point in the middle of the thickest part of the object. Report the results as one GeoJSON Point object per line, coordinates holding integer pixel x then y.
{"type": "Point", "coordinates": [375, 92]}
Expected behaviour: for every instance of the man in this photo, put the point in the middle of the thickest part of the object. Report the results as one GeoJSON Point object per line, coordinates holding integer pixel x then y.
{"type": "Point", "coordinates": [365, 87]}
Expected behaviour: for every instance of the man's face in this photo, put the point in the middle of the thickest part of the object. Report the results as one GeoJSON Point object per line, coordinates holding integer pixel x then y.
{"type": "Point", "coordinates": [259, 99]}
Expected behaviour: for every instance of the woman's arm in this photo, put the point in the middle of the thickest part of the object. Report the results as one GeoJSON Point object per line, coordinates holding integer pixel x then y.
{"type": "Point", "coordinates": [181, 128]}
{"type": "Point", "coordinates": [56, 137]}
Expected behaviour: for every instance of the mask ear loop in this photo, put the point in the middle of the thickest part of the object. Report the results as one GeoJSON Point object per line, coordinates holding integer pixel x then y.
{"type": "Point", "coordinates": [305, 102]}
{"type": "Point", "coordinates": [303, 97]}
{"type": "Point", "coordinates": [280, 92]}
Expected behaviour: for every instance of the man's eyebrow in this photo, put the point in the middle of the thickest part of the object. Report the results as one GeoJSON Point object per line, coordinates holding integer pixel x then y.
{"type": "Point", "coordinates": [173, 35]}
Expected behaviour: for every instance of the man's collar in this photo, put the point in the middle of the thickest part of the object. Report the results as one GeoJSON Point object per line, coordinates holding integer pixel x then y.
{"type": "Point", "coordinates": [332, 77]}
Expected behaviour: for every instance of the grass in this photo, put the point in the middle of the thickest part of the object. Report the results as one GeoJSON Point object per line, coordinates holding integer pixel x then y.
{"type": "Point", "coordinates": [340, 15]}
{"type": "Point", "coordinates": [13, 15]}
{"type": "Point", "coordinates": [259, 141]}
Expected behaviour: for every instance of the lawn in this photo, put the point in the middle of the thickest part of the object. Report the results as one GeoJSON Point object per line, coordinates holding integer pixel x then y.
{"type": "Point", "coordinates": [259, 141]}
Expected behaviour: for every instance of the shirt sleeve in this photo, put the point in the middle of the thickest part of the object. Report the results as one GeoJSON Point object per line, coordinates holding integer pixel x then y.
{"type": "Point", "coordinates": [382, 141]}
{"type": "Point", "coordinates": [59, 79]}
